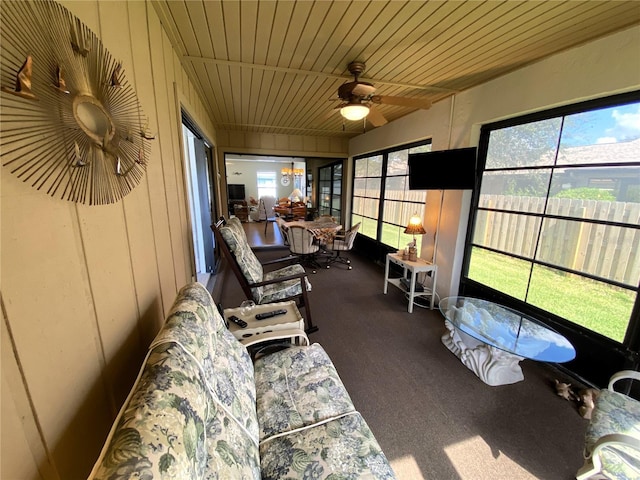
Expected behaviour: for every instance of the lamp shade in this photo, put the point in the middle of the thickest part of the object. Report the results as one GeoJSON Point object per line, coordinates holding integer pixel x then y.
{"type": "Point", "coordinates": [354, 111]}
{"type": "Point", "coordinates": [296, 195]}
{"type": "Point", "coordinates": [415, 226]}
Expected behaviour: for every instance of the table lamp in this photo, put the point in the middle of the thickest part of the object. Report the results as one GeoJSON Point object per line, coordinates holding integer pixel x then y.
{"type": "Point", "coordinates": [295, 195]}
{"type": "Point", "coordinates": [414, 228]}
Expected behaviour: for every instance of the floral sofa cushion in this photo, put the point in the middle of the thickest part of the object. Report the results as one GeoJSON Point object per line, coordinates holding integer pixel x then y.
{"type": "Point", "coordinates": [236, 225]}
{"type": "Point", "coordinates": [343, 448]}
{"type": "Point", "coordinates": [298, 387]}
{"type": "Point", "coordinates": [249, 264]}
{"type": "Point", "coordinates": [616, 413]}
{"type": "Point", "coordinates": [165, 429]}
{"type": "Point", "coordinates": [195, 323]}
{"type": "Point", "coordinates": [277, 291]}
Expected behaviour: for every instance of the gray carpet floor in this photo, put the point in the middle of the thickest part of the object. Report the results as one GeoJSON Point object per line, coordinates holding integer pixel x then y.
{"type": "Point", "coordinates": [432, 416]}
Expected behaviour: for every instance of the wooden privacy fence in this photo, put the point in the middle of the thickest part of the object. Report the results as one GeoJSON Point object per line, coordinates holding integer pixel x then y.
{"type": "Point", "coordinates": [606, 251]}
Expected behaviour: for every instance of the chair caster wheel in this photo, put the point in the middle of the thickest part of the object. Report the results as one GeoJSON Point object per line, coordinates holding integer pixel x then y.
{"type": "Point", "coordinates": [328, 266]}
{"type": "Point", "coordinates": [348, 262]}
{"type": "Point", "coordinates": [313, 271]}
{"type": "Point", "coordinates": [350, 267]}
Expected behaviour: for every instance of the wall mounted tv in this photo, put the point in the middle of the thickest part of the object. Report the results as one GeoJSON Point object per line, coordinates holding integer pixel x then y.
{"type": "Point", "coordinates": [443, 170]}
{"type": "Point", "coordinates": [236, 191]}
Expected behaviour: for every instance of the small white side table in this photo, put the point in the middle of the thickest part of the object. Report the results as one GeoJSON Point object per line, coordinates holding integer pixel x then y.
{"type": "Point", "coordinates": [290, 325]}
{"type": "Point", "coordinates": [414, 267]}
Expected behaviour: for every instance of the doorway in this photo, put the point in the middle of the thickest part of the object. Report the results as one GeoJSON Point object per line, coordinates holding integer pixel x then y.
{"type": "Point", "coordinates": [199, 171]}
{"type": "Point", "coordinates": [330, 190]}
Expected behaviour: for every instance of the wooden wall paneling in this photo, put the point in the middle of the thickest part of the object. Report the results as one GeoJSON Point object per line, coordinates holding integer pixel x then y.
{"type": "Point", "coordinates": [173, 169]}
{"type": "Point", "coordinates": [110, 277]}
{"type": "Point", "coordinates": [163, 94]}
{"type": "Point", "coordinates": [296, 143]}
{"type": "Point", "coordinates": [254, 141]}
{"type": "Point", "coordinates": [138, 207]}
{"type": "Point", "coordinates": [118, 238]}
{"type": "Point", "coordinates": [223, 138]}
{"type": "Point", "coordinates": [147, 88]}
{"type": "Point", "coordinates": [268, 142]}
{"type": "Point", "coordinates": [175, 116]}
{"type": "Point", "coordinates": [236, 139]}
{"type": "Point", "coordinates": [282, 142]}
{"type": "Point", "coordinates": [24, 454]}
{"type": "Point", "coordinates": [51, 313]}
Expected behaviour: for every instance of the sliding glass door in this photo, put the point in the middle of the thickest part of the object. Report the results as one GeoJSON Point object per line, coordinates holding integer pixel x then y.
{"type": "Point", "coordinates": [330, 190]}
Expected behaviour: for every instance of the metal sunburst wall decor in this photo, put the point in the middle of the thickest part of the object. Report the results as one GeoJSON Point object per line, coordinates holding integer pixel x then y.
{"type": "Point", "coordinates": [70, 123]}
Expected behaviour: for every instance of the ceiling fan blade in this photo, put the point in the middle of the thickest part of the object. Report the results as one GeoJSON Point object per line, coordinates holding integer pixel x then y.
{"type": "Point", "coordinates": [332, 112]}
{"type": "Point", "coordinates": [375, 117]}
{"type": "Point", "coordinates": [410, 102]}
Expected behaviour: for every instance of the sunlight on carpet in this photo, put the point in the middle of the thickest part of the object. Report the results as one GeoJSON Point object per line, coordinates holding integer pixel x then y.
{"type": "Point", "coordinates": [406, 467]}
{"type": "Point", "coordinates": [465, 456]}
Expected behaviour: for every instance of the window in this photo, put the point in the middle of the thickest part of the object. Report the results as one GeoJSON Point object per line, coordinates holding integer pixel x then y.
{"type": "Point", "coordinates": [557, 219]}
{"type": "Point", "coordinates": [266, 184]}
{"type": "Point", "coordinates": [382, 201]}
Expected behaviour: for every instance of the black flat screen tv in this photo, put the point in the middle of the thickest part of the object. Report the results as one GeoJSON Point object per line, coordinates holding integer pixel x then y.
{"type": "Point", "coordinates": [236, 191]}
{"type": "Point", "coordinates": [443, 170]}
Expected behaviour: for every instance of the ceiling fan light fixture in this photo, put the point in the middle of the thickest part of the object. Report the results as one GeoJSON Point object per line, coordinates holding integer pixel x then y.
{"type": "Point", "coordinates": [354, 111]}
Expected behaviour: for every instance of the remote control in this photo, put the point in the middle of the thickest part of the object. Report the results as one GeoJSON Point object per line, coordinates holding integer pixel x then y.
{"type": "Point", "coordinates": [237, 321]}
{"type": "Point", "coordinates": [262, 316]}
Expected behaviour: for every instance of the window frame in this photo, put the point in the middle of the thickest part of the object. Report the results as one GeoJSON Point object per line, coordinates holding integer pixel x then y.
{"type": "Point", "coordinates": [579, 335]}
{"type": "Point", "coordinates": [380, 219]}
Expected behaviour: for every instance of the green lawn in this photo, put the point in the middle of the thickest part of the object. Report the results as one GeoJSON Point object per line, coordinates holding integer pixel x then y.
{"type": "Point", "coordinates": [599, 307]}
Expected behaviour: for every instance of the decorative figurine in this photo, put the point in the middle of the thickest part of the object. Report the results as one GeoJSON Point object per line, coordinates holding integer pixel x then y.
{"type": "Point", "coordinates": [588, 398]}
{"type": "Point", "coordinates": [23, 81]}
{"type": "Point", "coordinates": [564, 390]}
{"type": "Point", "coordinates": [60, 83]}
{"type": "Point", "coordinates": [115, 77]}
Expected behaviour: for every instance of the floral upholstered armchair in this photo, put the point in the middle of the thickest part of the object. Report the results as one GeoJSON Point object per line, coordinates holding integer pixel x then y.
{"type": "Point", "coordinates": [287, 283]}
{"type": "Point", "coordinates": [612, 442]}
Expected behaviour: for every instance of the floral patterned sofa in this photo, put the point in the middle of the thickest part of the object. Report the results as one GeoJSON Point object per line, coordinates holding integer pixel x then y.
{"type": "Point", "coordinates": [201, 410]}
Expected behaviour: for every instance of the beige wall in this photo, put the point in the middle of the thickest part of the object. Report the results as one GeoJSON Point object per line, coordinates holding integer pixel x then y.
{"type": "Point", "coordinates": [84, 289]}
{"type": "Point", "coordinates": [604, 67]}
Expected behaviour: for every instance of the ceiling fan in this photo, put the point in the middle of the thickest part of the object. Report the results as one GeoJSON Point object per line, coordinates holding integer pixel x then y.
{"type": "Point", "coordinates": [358, 99]}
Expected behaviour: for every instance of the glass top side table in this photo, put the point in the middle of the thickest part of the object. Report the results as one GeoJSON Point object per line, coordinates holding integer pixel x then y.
{"type": "Point", "coordinates": [491, 339]}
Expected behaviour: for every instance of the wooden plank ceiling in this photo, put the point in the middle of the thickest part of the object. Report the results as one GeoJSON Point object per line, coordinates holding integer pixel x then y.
{"type": "Point", "coordinates": [275, 66]}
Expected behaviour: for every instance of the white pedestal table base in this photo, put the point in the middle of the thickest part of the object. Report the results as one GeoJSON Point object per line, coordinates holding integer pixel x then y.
{"type": "Point", "coordinates": [492, 365]}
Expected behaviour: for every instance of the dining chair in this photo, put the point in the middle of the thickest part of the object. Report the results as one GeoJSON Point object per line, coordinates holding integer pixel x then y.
{"type": "Point", "coordinates": [302, 244]}
{"type": "Point", "coordinates": [283, 230]}
{"type": "Point", "coordinates": [266, 211]}
{"type": "Point", "coordinates": [342, 243]}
